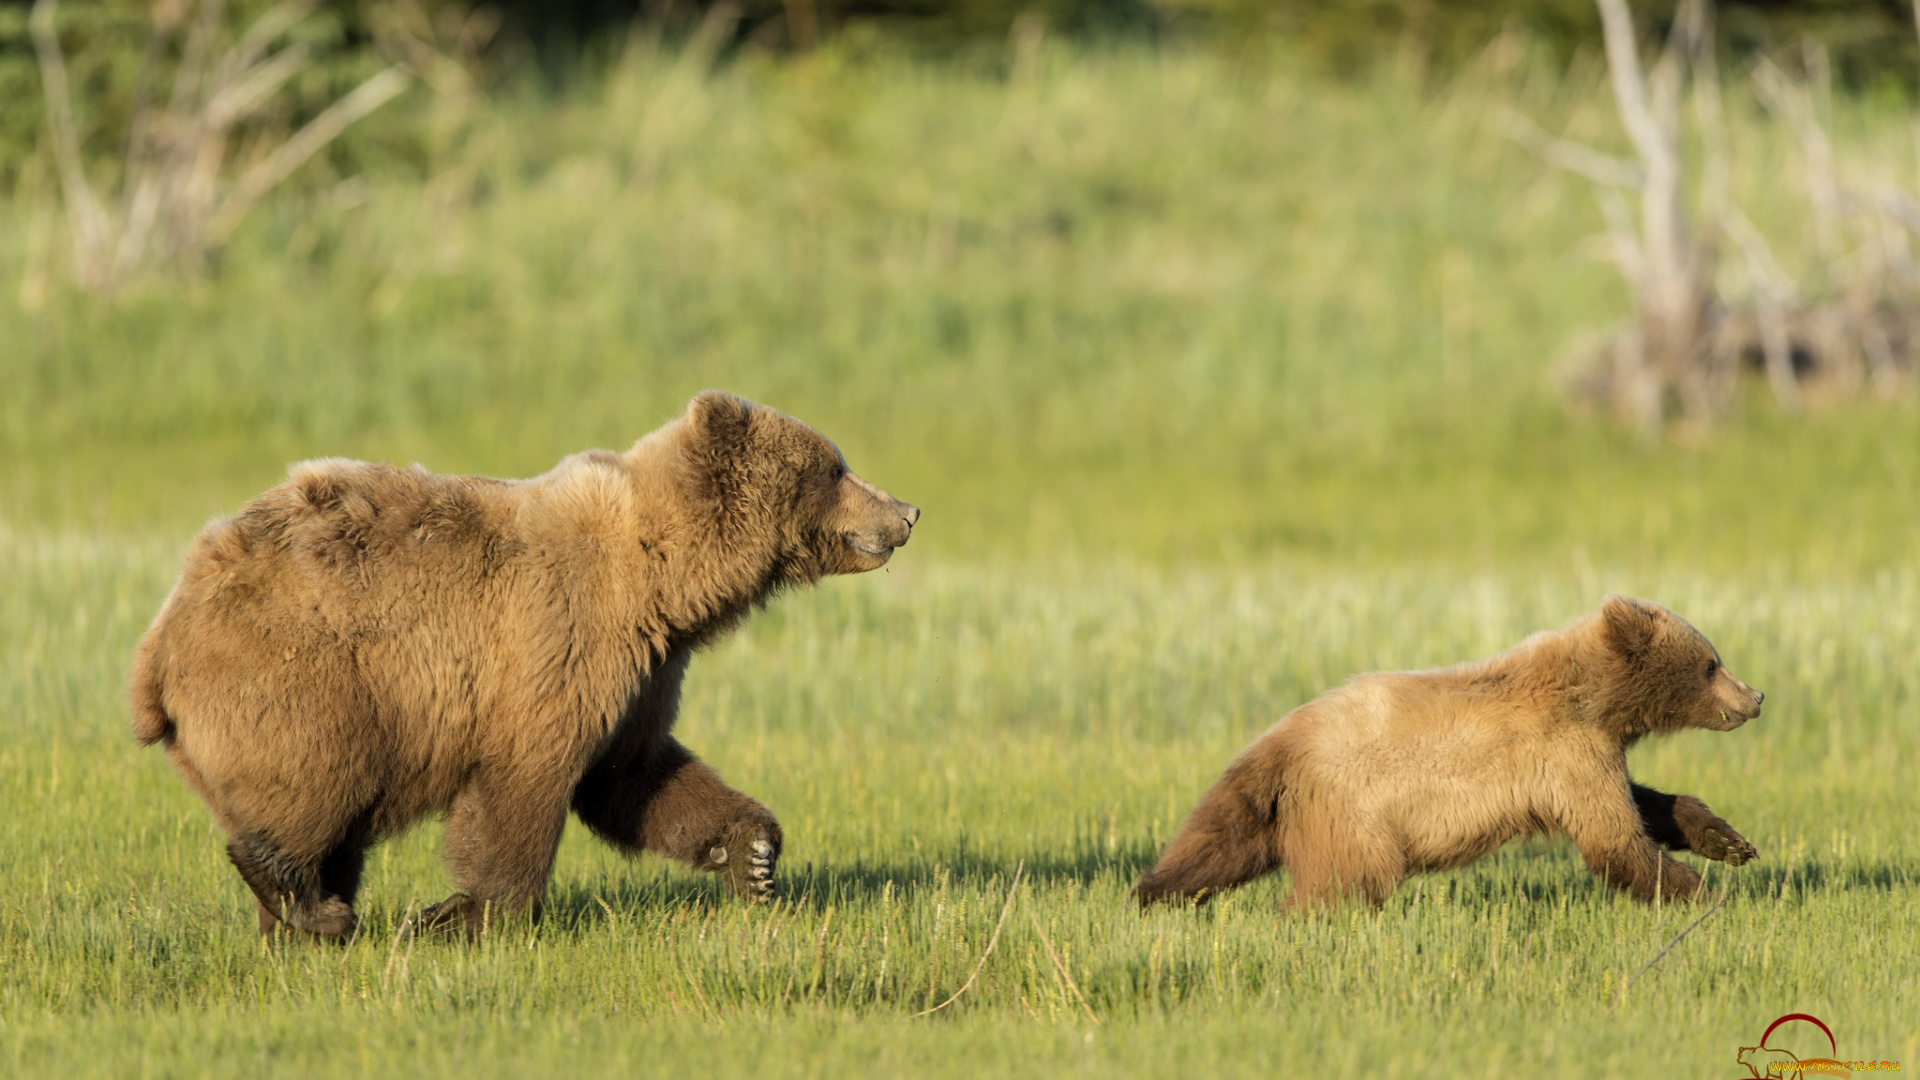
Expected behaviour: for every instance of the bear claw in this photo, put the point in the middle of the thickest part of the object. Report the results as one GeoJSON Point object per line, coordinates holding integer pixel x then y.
{"type": "Point", "coordinates": [751, 875]}
{"type": "Point", "coordinates": [1720, 842]}
{"type": "Point", "coordinates": [455, 915]}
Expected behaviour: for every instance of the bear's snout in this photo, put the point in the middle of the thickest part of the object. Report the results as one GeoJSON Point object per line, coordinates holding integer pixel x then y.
{"type": "Point", "coordinates": [875, 523]}
{"type": "Point", "coordinates": [1743, 706]}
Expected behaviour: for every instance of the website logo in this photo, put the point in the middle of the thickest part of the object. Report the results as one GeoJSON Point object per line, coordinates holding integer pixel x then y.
{"type": "Point", "coordinates": [1774, 1061]}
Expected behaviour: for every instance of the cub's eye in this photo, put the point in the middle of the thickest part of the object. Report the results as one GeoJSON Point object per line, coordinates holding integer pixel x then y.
{"type": "Point", "coordinates": [1713, 668]}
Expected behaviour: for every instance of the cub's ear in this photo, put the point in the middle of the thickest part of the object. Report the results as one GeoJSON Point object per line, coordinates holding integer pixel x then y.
{"type": "Point", "coordinates": [717, 422]}
{"type": "Point", "coordinates": [1631, 624]}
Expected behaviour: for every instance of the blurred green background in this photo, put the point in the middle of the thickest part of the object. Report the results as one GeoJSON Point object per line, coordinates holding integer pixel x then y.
{"type": "Point", "coordinates": [1090, 295]}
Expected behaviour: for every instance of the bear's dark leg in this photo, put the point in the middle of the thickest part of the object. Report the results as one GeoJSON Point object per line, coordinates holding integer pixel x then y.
{"type": "Point", "coordinates": [667, 801]}
{"type": "Point", "coordinates": [501, 836]}
{"type": "Point", "coordinates": [1228, 840]}
{"type": "Point", "coordinates": [288, 889]}
{"type": "Point", "coordinates": [1683, 823]}
{"type": "Point", "coordinates": [340, 869]}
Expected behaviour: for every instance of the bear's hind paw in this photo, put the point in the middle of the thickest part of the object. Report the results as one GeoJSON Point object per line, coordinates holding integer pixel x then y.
{"type": "Point", "coordinates": [458, 916]}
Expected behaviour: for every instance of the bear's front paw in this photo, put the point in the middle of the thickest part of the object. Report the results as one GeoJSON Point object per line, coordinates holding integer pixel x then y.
{"type": "Point", "coordinates": [1719, 841]}
{"type": "Point", "coordinates": [747, 860]}
{"type": "Point", "coordinates": [1708, 835]}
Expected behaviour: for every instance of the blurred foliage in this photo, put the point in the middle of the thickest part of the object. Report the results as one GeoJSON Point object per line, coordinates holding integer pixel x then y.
{"type": "Point", "coordinates": [105, 43]}
{"type": "Point", "coordinates": [1155, 302]}
{"type": "Point", "coordinates": [1870, 39]}
{"type": "Point", "coordinates": [1872, 42]}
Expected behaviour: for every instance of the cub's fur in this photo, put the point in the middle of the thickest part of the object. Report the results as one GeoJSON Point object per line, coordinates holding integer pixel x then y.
{"type": "Point", "coordinates": [1398, 772]}
{"type": "Point", "coordinates": [364, 645]}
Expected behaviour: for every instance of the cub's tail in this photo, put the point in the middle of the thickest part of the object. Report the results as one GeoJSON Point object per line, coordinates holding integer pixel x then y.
{"type": "Point", "coordinates": [151, 724]}
{"type": "Point", "coordinates": [1232, 837]}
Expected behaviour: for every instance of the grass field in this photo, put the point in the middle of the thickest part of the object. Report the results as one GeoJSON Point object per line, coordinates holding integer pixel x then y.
{"type": "Point", "coordinates": [924, 734]}
{"type": "Point", "coordinates": [1217, 384]}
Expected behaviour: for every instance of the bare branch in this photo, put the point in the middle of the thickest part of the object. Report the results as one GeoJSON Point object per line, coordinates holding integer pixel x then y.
{"type": "Point", "coordinates": [1600, 168]}
{"type": "Point", "coordinates": [189, 80]}
{"type": "Point", "coordinates": [232, 100]}
{"type": "Point", "coordinates": [1901, 207]}
{"type": "Point", "coordinates": [1629, 85]}
{"type": "Point", "coordinates": [1624, 241]}
{"type": "Point", "coordinates": [1795, 104]}
{"type": "Point", "coordinates": [306, 142]}
{"type": "Point", "coordinates": [90, 222]}
{"type": "Point", "coordinates": [265, 30]}
{"type": "Point", "coordinates": [1761, 265]}
{"type": "Point", "coordinates": [1773, 291]}
{"type": "Point", "coordinates": [1708, 115]}
{"type": "Point", "coordinates": [177, 194]}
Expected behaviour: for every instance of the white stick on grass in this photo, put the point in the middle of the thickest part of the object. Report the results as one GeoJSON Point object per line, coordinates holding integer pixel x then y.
{"type": "Point", "coordinates": [1005, 909]}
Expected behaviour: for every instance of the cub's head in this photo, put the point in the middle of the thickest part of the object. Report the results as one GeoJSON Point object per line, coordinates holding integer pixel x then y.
{"type": "Point", "coordinates": [1674, 677]}
{"type": "Point", "coordinates": [778, 486]}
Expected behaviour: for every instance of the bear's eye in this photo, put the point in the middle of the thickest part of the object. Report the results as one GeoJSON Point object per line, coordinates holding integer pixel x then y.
{"type": "Point", "coordinates": [1713, 668]}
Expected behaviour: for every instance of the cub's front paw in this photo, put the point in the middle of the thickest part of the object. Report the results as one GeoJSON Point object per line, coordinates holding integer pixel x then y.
{"type": "Point", "coordinates": [1708, 835]}
{"type": "Point", "coordinates": [1720, 841]}
{"type": "Point", "coordinates": [746, 861]}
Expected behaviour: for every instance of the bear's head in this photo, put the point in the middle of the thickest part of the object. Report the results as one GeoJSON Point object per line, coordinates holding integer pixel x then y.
{"type": "Point", "coordinates": [1671, 675]}
{"type": "Point", "coordinates": [777, 486]}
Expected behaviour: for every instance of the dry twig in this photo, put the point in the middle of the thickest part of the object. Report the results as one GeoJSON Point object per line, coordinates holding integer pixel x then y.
{"type": "Point", "coordinates": [1668, 947]}
{"type": "Point", "coordinates": [1005, 909]}
{"type": "Point", "coordinates": [1060, 968]}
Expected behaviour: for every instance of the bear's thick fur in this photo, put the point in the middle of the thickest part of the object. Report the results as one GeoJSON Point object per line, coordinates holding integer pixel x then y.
{"type": "Point", "coordinates": [1398, 772]}
{"type": "Point", "coordinates": [364, 645]}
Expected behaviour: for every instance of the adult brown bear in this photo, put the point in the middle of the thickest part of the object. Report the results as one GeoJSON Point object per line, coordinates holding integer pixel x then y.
{"type": "Point", "coordinates": [1398, 772]}
{"type": "Point", "coordinates": [364, 645]}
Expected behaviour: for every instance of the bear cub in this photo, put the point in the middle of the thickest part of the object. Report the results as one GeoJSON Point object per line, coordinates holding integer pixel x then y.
{"type": "Point", "coordinates": [1398, 772]}
{"type": "Point", "coordinates": [363, 646]}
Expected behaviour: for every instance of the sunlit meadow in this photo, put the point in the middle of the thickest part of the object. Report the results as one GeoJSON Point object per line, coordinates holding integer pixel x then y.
{"type": "Point", "coordinates": [1218, 383]}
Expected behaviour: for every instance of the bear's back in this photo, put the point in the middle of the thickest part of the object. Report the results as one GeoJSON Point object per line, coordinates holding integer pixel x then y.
{"type": "Point", "coordinates": [338, 529]}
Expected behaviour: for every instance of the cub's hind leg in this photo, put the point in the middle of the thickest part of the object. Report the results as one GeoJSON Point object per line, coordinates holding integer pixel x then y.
{"type": "Point", "coordinates": [1335, 858]}
{"type": "Point", "coordinates": [1229, 839]}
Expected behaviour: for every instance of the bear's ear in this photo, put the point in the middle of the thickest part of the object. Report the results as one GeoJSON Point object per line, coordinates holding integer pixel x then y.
{"type": "Point", "coordinates": [1631, 624]}
{"type": "Point", "coordinates": [717, 422]}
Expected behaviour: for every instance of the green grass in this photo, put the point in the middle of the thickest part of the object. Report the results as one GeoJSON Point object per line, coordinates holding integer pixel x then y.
{"type": "Point", "coordinates": [923, 734]}
{"type": "Point", "coordinates": [1218, 385]}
